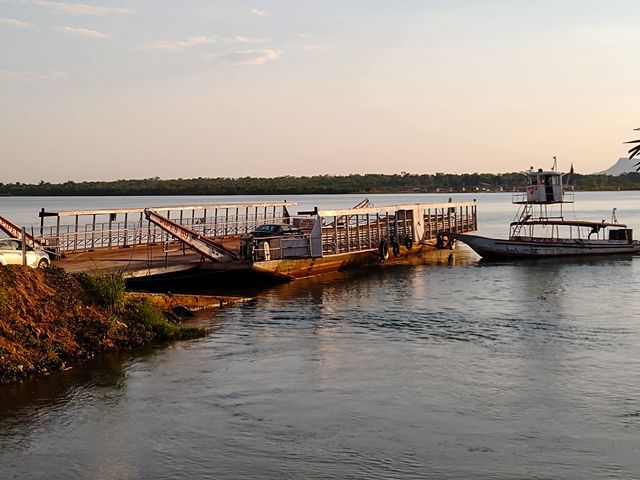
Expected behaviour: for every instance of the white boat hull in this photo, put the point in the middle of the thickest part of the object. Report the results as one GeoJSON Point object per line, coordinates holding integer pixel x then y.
{"type": "Point", "coordinates": [545, 247]}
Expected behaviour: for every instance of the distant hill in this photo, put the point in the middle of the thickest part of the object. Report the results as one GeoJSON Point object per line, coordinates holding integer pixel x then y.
{"type": "Point", "coordinates": [623, 165]}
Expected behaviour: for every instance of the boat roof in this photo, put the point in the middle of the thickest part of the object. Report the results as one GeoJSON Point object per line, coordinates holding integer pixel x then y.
{"type": "Point", "coordinates": [574, 223]}
{"type": "Point", "coordinates": [542, 172]}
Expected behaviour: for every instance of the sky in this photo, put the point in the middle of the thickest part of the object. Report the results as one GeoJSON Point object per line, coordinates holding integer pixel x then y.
{"type": "Point", "coordinates": [105, 90]}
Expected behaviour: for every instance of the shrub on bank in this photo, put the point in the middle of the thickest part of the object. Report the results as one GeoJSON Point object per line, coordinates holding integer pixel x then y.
{"type": "Point", "coordinates": [148, 321]}
{"type": "Point", "coordinates": [106, 289]}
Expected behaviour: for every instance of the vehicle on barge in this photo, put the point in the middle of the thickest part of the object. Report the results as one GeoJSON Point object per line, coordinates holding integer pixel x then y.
{"type": "Point", "coordinates": [13, 252]}
{"type": "Point", "coordinates": [541, 230]}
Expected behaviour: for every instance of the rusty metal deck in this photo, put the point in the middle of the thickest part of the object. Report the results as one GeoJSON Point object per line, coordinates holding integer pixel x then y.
{"type": "Point", "coordinates": [144, 260]}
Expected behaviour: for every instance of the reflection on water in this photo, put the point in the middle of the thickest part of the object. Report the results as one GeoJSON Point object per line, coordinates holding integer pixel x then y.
{"type": "Point", "coordinates": [452, 369]}
{"type": "Point", "coordinates": [36, 401]}
{"type": "Point", "coordinates": [495, 370]}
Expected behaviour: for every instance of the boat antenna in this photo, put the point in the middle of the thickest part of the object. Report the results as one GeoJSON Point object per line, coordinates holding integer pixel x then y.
{"type": "Point", "coordinates": [555, 164]}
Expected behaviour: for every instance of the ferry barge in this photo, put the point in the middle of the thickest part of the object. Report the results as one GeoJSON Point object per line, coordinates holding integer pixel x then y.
{"type": "Point", "coordinates": [146, 242]}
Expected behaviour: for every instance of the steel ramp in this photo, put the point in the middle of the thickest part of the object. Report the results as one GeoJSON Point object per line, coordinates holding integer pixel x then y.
{"type": "Point", "coordinates": [15, 231]}
{"type": "Point", "coordinates": [205, 246]}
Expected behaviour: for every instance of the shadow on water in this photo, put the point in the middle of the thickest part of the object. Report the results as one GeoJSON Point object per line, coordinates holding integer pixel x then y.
{"type": "Point", "coordinates": [28, 402]}
{"type": "Point", "coordinates": [224, 282]}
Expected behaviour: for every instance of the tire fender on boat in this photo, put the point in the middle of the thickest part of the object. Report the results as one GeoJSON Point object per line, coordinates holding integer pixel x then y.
{"type": "Point", "coordinates": [396, 248]}
{"type": "Point", "coordinates": [383, 249]}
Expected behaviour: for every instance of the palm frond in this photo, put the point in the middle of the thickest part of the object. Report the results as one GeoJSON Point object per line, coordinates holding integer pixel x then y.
{"type": "Point", "coordinates": [634, 151]}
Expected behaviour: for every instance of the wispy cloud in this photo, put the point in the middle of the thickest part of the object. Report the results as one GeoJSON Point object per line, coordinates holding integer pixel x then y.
{"type": "Point", "coordinates": [246, 57]}
{"type": "Point", "coordinates": [85, 32]}
{"type": "Point", "coordinates": [241, 39]}
{"type": "Point", "coordinates": [306, 36]}
{"type": "Point", "coordinates": [307, 47]}
{"type": "Point", "coordinates": [176, 45]}
{"type": "Point", "coordinates": [76, 8]}
{"type": "Point", "coordinates": [260, 13]}
{"type": "Point", "coordinates": [12, 22]}
{"type": "Point", "coordinates": [31, 76]}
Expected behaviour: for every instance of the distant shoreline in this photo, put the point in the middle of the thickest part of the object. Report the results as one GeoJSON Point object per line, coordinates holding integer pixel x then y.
{"type": "Point", "coordinates": [319, 184]}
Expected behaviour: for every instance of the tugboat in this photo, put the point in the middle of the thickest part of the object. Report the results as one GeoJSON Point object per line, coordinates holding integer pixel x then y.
{"type": "Point", "coordinates": [538, 233]}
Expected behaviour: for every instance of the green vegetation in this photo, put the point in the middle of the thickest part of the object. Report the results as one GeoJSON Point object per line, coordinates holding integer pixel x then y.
{"type": "Point", "coordinates": [106, 289]}
{"type": "Point", "coordinates": [151, 321]}
{"type": "Point", "coordinates": [319, 184]}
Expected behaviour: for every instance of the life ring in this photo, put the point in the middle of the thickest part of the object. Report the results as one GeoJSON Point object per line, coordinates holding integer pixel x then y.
{"type": "Point", "coordinates": [383, 249]}
{"type": "Point", "coordinates": [408, 242]}
{"type": "Point", "coordinates": [396, 248]}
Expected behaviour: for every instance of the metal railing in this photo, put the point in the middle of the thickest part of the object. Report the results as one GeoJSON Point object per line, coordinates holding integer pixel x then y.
{"type": "Point", "coordinates": [96, 229]}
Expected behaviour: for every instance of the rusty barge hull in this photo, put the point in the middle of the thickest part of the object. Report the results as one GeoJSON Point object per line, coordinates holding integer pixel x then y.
{"type": "Point", "coordinates": [296, 268]}
{"type": "Point", "coordinates": [293, 268]}
{"type": "Point", "coordinates": [347, 238]}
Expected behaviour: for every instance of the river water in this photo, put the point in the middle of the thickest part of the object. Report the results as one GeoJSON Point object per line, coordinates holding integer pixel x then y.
{"type": "Point", "coordinates": [459, 370]}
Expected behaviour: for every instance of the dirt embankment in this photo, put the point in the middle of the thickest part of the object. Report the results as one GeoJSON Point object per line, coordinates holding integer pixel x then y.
{"type": "Point", "coordinates": [49, 318]}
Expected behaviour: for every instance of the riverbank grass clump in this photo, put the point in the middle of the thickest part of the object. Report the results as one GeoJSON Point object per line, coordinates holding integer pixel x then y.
{"type": "Point", "coordinates": [107, 289]}
{"type": "Point", "coordinates": [49, 318]}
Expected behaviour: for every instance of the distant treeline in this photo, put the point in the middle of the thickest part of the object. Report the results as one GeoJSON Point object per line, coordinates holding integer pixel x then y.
{"type": "Point", "coordinates": [320, 184]}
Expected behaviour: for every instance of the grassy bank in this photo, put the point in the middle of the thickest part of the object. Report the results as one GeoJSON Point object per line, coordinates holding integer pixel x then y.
{"type": "Point", "coordinates": [49, 318]}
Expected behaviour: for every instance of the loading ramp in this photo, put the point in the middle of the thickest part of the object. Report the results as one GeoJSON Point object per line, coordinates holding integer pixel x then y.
{"type": "Point", "coordinates": [203, 245]}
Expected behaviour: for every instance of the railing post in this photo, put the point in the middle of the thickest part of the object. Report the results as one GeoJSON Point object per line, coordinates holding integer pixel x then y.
{"type": "Point", "coordinates": [475, 217]}
{"type": "Point", "coordinates": [388, 228]}
{"type": "Point", "coordinates": [126, 230]}
{"type": "Point", "coordinates": [93, 231]}
{"type": "Point", "coordinates": [75, 236]}
{"type": "Point", "coordinates": [466, 219]}
{"type": "Point", "coordinates": [204, 220]}
{"type": "Point", "coordinates": [23, 243]}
